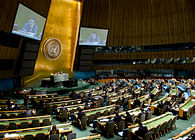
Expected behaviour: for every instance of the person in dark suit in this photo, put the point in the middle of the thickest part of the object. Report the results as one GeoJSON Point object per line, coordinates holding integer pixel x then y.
{"type": "Point", "coordinates": [136, 102]}
{"type": "Point", "coordinates": [151, 96]}
{"type": "Point", "coordinates": [128, 119]}
{"type": "Point", "coordinates": [117, 118]}
{"type": "Point", "coordinates": [73, 95]}
{"type": "Point", "coordinates": [142, 130]}
{"type": "Point", "coordinates": [9, 103]}
{"type": "Point", "coordinates": [80, 114]}
{"type": "Point", "coordinates": [160, 105]}
{"type": "Point", "coordinates": [167, 103]}
{"type": "Point", "coordinates": [182, 99]}
{"type": "Point", "coordinates": [93, 104]}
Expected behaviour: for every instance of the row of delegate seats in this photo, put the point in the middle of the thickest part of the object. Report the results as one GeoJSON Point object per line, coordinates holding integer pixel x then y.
{"type": "Point", "coordinates": [5, 101]}
{"type": "Point", "coordinates": [65, 111]}
{"type": "Point", "coordinates": [184, 110]}
{"type": "Point", "coordinates": [43, 96]}
{"type": "Point", "coordinates": [92, 114]}
{"type": "Point", "coordinates": [157, 126]}
{"type": "Point", "coordinates": [33, 133]}
{"type": "Point", "coordinates": [27, 122]}
{"type": "Point", "coordinates": [52, 99]}
{"type": "Point", "coordinates": [104, 121]}
{"type": "Point", "coordinates": [16, 113]}
{"type": "Point", "coordinates": [69, 136]}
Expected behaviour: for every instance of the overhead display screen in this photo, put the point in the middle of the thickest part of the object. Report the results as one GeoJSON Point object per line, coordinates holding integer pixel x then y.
{"type": "Point", "coordinates": [93, 36]}
{"type": "Point", "coordinates": [28, 23]}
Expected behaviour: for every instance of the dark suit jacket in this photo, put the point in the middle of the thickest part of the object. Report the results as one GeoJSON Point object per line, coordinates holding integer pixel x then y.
{"type": "Point", "coordinates": [80, 114]}
{"type": "Point", "coordinates": [117, 119]}
{"type": "Point", "coordinates": [136, 102]}
{"type": "Point", "coordinates": [141, 131]}
{"type": "Point", "coordinates": [128, 119]}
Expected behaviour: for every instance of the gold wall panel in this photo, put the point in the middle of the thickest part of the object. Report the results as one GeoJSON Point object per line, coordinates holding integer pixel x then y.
{"type": "Point", "coordinates": [63, 24]}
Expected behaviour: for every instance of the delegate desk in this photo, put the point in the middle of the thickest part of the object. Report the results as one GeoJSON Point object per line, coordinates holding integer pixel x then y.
{"type": "Point", "coordinates": [49, 106]}
{"type": "Point", "coordinates": [92, 137]}
{"type": "Point", "coordinates": [54, 99]}
{"type": "Point", "coordinates": [85, 91]}
{"type": "Point", "coordinates": [153, 123]}
{"type": "Point", "coordinates": [71, 108]}
{"type": "Point", "coordinates": [2, 102]}
{"type": "Point", "coordinates": [15, 112]}
{"type": "Point", "coordinates": [138, 91]}
{"type": "Point", "coordinates": [95, 110]}
{"type": "Point", "coordinates": [18, 121]}
{"type": "Point", "coordinates": [74, 108]}
{"type": "Point", "coordinates": [101, 121]}
{"type": "Point", "coordinates": [193, 93]}
{"type": "Point", "coordinates": [155, 103]}
{"type": "Point", "coordinates": [115, 99]}
{"type": "Point", "coordinates": [173, 92]}
{"type": "Point", "coordinates": [4, 107]}
{"type": "Point", "coordinates": [68, 102]}
{"type": "Point", "coordinates": [20, 133]}
{"type": "Point", "coordinates": [142, 99]}
{"type": "Point", "coordinates": [184, 134]}
{"type": "Point", "coordinates": [43, 95]}
{"type": "Point", "coordinates": [155, 91]}
{"type": "Point", "coordinates": [59, 77]}
{"type": "Point", "coordinates": [187, 108]}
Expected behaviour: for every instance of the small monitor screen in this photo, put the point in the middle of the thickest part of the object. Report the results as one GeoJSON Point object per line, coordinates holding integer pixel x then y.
{"type": "Point", "coordinates": [28, 23]}
{"type": "Point", "coordinates": [93, 36]}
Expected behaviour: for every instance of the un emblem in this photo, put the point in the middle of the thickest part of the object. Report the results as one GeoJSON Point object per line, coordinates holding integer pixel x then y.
{"type": "Point", "coordinates": [52, 48]}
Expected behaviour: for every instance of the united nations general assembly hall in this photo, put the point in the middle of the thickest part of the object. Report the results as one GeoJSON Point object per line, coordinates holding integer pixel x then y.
{"type": "Point", "coordinates": [97, 70]}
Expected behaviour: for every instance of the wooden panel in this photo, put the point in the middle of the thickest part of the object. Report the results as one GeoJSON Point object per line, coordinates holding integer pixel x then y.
{"type": "Point", "coordinates": [142, 22]}
{"type": "Point", "coordinates": [149, 66]}
{"type": "Point", "coordinates": [145, 55]}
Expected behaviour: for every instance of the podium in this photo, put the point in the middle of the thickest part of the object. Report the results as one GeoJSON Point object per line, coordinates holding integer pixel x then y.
{"type": "Point", "coordinates": [59, 77]}
{"type": "Point", "coordinates": [55, 80]}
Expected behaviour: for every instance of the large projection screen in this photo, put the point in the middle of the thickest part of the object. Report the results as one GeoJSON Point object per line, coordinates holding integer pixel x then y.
{"type": "Point", "coordinates": [28, 23]}
{"type": "Point", "coordinates": [93, 36]}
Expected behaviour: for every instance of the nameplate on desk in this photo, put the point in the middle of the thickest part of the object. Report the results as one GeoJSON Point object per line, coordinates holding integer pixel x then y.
{"type": "Point", "coordinates": [66, 128]}
{"type": "Point", "coordinates": [62, 129]}
{"type": "Point", "coordinates": [104, 120]}
{"type": "Point", "coordinates": [134, 129]}
{"type": "Point", "coordinates": [10, 135]}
